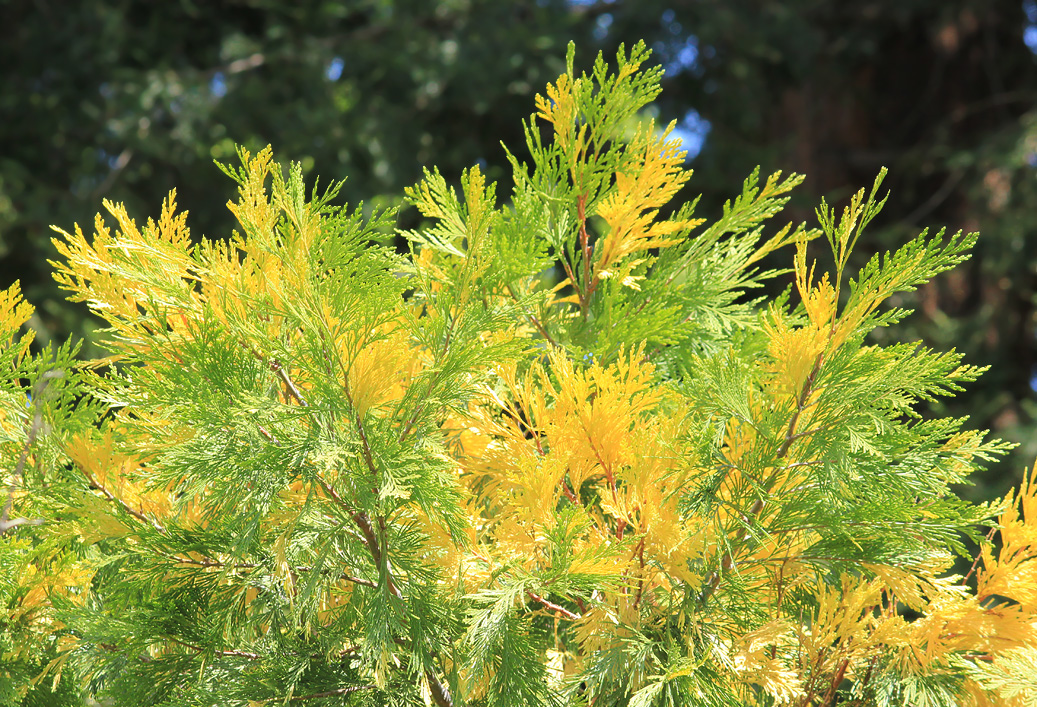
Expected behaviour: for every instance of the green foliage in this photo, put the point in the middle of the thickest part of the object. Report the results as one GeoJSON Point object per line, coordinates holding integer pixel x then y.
{"type": "Point", "coordinates": [566, 451]}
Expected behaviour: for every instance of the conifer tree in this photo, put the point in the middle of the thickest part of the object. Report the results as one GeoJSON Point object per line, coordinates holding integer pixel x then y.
{"type": "Point", "coordinates": [563, 452]}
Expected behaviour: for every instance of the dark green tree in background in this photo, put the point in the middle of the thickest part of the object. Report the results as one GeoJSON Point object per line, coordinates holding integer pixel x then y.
{"type": "Point", "coordinates": [125, 99]}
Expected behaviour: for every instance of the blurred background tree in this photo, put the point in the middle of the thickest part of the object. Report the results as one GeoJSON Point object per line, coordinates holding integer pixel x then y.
{"type": "Point", "coordinates": [126, 99]}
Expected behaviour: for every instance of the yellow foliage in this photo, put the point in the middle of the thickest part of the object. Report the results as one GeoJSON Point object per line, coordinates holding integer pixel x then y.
{"type": "Point", "coordinates": [762, 657]}
{"type": "Point", "coordinates": [69, 579]}
{"type": "Point", "coordinates": [650, 181]}
{"type": "Point", "coordinates": [380, 370]}
{"type": "Point", "coordinates": [596, 409]}
{"type": "Point", "coordinates": [14, 312]}
{"type": "Point", "coordinates": [841, 627]}
{"type": "Point", "coordinates": [117, 474]}
{"type": "Point", "coordinates": [792, 354]}
{"type": "Point", "coordinates": [138, 280]}
{"type": "Point", "coordinates": [559, 109]}
{"type": "Point", "coordinates": [253, 209]}
{"type": "Point", "coordinates": [1013, 574]}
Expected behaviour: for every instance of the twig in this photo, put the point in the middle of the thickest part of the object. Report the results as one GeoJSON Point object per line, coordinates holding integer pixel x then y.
{"type": "Point", "coordinates": [363, 522]}
{"type": "Point", "coordinates": [569, 494]}
{"type": "Point", "coordinates": [277, 368]}
{"type": "Point", "coordinates": [250, 62]}
{"type": "Point", "coordinates": [553, 607]}
{"type": "Point", "coordinates": [728, 561]}
{"type": "Point", "coordinates": [610, 478]}
{"type": "Point", "coordinates": [249, 566]}
{"type": "Point", "coordinates": [836, 679]}
{"type": "Point", "coordinates": [369, 539]}
{"type": "Point", "coordinates": [533, 320]}
{"type": "Point", "coordinates": [801, 403]}
{"type": "Point", "coordinates": [6, 523]}
{"type": "Point", "coordinates": [569, 274]}
{"type": "Point", "coordinates": [111, 648]}
{"type": "Point", "coordinates": [863, 683]}
{"type": "Point", "coordinates": [121, 503]}
{"type": "Point", "coordinates": [581, 215]}
{"type": "Point", "coordinates": [975, 563]}
{"type": "Point", "coordinates": [937, 198]}
{"type": "Point", "coordinates": [431, 385]}
{"type": "Point", "coordinates": [439, 692]}
{"type": "Point", "coordinates": [332, 693]}
{"type": "Point", "coordinates": [350, 578]}
{"type": "Point", "coordinates": [199, 649]}
{"type": "Point", "coordinates": [641, 579]}
{"type": "Point", "coordinates": [361, 518]}
{"type": "Point", "coordinates": [522, 423]}
{"type": "Point", "coordinates": [116, 169]}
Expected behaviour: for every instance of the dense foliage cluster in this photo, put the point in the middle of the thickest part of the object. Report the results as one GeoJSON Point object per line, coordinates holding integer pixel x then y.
{"type": "Point", "coordinates": [558, 454]}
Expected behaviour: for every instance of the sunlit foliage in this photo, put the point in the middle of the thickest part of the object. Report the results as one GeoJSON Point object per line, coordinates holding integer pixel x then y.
{"type": "Point", "coordinates": [558, 454]}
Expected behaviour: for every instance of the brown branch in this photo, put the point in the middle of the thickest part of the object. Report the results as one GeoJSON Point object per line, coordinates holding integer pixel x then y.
{"type": "Point", "coordinates": [581, 215]}
{"type": "Point", "coordinates": [277, 368]}
{"type": "Point", "coordinates": [863, 683]}
{"type": "Point", "coordinates": [111, 648]}
{"type": "Point", "coordinates": [801, 404]}
{"type": "Point", "coordinates": [363, 523]}
{"type": "Point", "coordinates": [431, 385]}
{"type": "Point", "coordinates": [350, 578]}
{"type": "Point", "coordinates": [364, 443]}
{"type": "Point", "coordinates": [331, 491]}
{"type": "Point", "coordinates": [517, 417]}
{"type": "Point", "coordinates": [121, 503]}
{"type": "Point", "coordinates": [609, 477]}
{"type": "Point", "coordinates": [553, 607]}
{"type": "Point", "coordinates": [569, 493]}
{"type": "Point", "coordinates": [359, 517]}
{"type": "Point", "coordinates": [569, 274]}
{"type": "Point", "coordinates": [440, 694]}
{"type": "Point", "coordinates": [836, 679]}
